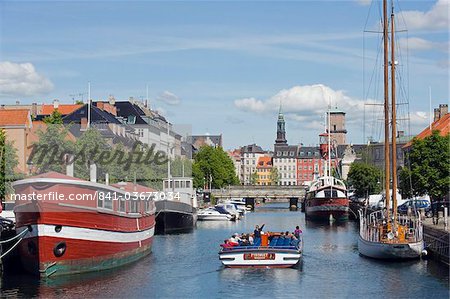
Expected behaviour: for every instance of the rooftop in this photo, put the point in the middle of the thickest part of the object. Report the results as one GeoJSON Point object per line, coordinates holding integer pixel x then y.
{"type": "Point", "coordinates": [15, 117]}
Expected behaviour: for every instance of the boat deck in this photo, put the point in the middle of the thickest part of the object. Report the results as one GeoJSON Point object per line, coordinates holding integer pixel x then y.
{"type": "Point", "coordinates": [275, 243]}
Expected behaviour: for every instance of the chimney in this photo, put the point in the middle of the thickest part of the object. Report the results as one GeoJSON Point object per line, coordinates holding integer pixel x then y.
{"type": "Point", "coordinates": [443, 109]}
{"type": "Point", "coordinates": [83, 125]}
{"type": "Point", "coordinates": [437, 114]}
{"type": "Point", "coordinates": [55, 103]}
{"type": "Point", "coordinates": [111, 100]}
{"type": "Point", "coordinates": [69, 164]}
{"type": "Point", "coordinates": [93, 172]}
{"type": "Point", "coordinates": [34, 110]}
{"type": "Point", "coordinates": [106, 178]}
{"type": "Point", "coordinates": [17, 102]}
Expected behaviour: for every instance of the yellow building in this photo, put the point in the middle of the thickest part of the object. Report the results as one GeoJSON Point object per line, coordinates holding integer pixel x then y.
{"type": "Point", "coordinates": [263, 170]}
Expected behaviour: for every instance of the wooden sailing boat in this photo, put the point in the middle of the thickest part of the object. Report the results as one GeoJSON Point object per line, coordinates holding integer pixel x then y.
{"type": "Point", "coordinates": [382, 234]}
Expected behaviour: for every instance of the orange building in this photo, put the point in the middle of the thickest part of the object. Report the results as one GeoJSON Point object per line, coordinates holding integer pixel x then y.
{"type": "Point", "coordinates": [17, 125]}
{"type": "Point", "coordinates": [263, 171]}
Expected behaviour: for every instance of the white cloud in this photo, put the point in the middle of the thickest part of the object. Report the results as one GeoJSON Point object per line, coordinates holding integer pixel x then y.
{"type": "Point", "coordinates": [21, 79]}
{"type": "Point", "coordinates": [364, 2]}
{"type": "Point", "coordinates": [305, 106]}
{"type": "Point", "coordinates": [420, 44]}
{"type": "Point", "coordinates": [303, 103]}
{"type": "Point", "coordinates": [169, 98]}
{"type": "Point", "coordinates": [434, 19]}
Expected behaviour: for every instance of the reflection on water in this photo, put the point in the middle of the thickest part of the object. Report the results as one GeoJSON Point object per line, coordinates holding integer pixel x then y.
{"type": "Point", "coordinates": [187, 265]}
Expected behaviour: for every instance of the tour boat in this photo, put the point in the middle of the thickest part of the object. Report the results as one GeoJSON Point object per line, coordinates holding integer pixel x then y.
{"type": "Point", "coordinates": [279, 252]}
{"type": "Point", "coordinates": [176, 206]}
{"type": "Point", "coordinates": [76, 226]}
{"type": "Point", "coordinates": [384, 234]}
{"type": "Point", "coordinates": [214, 214]}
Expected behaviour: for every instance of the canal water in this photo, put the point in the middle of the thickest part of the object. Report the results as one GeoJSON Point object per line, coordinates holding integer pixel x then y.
{"type": "Point", "coordinates": [187, 266]}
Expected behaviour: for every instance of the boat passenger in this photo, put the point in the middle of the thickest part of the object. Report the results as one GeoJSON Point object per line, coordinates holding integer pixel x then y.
{"type": "Point", "coordinates": [250, 239]}
{"type": "Point", "coordinates": [258, 230]}
{"type": "Point", "coordinates": [232, 241]}
{"type": "Point", "coordinates": [297, 232]}
{"type": "Point", "coordinates": [281, 235]}
{"type": "Point", "coordinates": [288, 235]}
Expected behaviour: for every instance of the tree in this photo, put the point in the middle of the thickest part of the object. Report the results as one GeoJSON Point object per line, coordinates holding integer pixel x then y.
{"type": "Point", "coordinates": [254, 178]}
{"type": "Point", "coordinates": [8, 162]}
{"type": "Point", "coordinates": [365, 178]}
{"type": "Point", "coordinates": [54, 118]}
{"type": "Point", "coordinates": [213, 163]}
{"type": "Point", "coordinates": [50, 150]}
{"type": "Point", "coordinates": [427, 167]}
{"type": "Point", "coordinates": [274, 176]}
{"type": "Point", "coordinates": [91, 148]}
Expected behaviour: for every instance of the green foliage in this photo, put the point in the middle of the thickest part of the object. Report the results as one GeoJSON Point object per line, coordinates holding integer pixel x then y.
{"type": "Point", "coordinates": [49, 152]}
{"type": "Point", "coordinates": [427, 167]}
{"type": "Point", "coordinates": [274, 176]}
{"type": "Point", "coordinates": [365, 178]}
{"type": "Point", "coordinates": [8, 162]}
{"type": "Point", "coordinates": [213, 163]}
{"type": "Point", "coordinates": [79, 102]}
{"type": "Point", "coordinates": [91, 148]}
{"type": "Point", "coordinates": [181, 167]}
{"type": "Point", "coordinates": [254, 178]}
{"type": "Point", "coordinates": [54, 118]}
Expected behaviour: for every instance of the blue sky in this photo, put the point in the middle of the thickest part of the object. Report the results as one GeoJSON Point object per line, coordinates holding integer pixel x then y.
{"type": "Point", "coordinates": [224, 67]}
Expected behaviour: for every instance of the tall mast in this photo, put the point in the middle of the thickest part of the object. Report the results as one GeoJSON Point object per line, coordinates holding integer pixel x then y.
{"type": "Point", "coordinates": [89, 106]}
{"type": "Point", "coordinates": [394, 119]}
{"type": "Point", "coordinates": [386, 109]}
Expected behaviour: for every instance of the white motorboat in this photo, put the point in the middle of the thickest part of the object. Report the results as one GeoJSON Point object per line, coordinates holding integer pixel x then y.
{"type": "Point", "coordinates": [230, 208]}
{"type": "Point", "coordinates": [214, 214]}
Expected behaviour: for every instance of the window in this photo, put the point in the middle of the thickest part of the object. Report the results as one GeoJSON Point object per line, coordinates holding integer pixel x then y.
{"type": "Point", "coordinates": [122, 206]}
{"type": "Point", "coordinates": [285, 153]}
{"type": "Point", "coordinates": [278, 153]}
{"type": "Point", "coordinates": [141, 132]}
{"type": "Point", "coordinates": [291, 154]}
{"type": "Point", "coordinates": [177, 184]}
{"type": "Point", "coordinates": [134, 205]}
{"type": "Point", "coordinates": [188, 184]}
{"type": "Point", "coordinates": [108, 203]}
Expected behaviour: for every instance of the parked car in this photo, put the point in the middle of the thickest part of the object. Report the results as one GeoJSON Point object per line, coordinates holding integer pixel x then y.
{"type": "Point", "coordinates": [439, 205]}
{"type": "Point", "coordinates": [415, 205]}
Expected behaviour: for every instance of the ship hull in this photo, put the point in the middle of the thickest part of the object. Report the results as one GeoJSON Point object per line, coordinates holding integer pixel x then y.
{"type": "Point", "coordinates": [326, 209]}
{"type": "Point", "coordinates": [174, 217]}
{"type": "Point", "coordinates": [387, 251]}
{"type": "Point", "coordinates": [278, 258]}
{"type": "Point", "coordinates": [62, 237]}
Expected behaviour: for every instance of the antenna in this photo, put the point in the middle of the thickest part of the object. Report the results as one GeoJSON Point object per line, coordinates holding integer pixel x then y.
{"type": "Point", "coordinates": [431, 117]}
{"type": "Point", "coordinates": [89, 106]}
{"type": "Point", "coordinates": [146, 96]}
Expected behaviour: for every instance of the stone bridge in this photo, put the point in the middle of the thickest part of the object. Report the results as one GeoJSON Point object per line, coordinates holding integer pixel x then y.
{"type": "Point", "coordinates": [268, 193]}
{"type": "Point", "coordinates": [291, 194]}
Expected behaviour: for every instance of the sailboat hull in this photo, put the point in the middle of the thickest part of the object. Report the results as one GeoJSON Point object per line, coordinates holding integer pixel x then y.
{"type": "Point", "coordinates": [387, 251]}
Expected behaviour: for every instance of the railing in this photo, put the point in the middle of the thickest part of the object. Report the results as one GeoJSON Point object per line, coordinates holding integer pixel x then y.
{"type": "Point", "coordinates": [373, 227]}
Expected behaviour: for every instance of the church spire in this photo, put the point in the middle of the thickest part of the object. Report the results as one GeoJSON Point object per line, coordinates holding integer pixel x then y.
{"type": "Point", "coordinates": [281, 131]}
